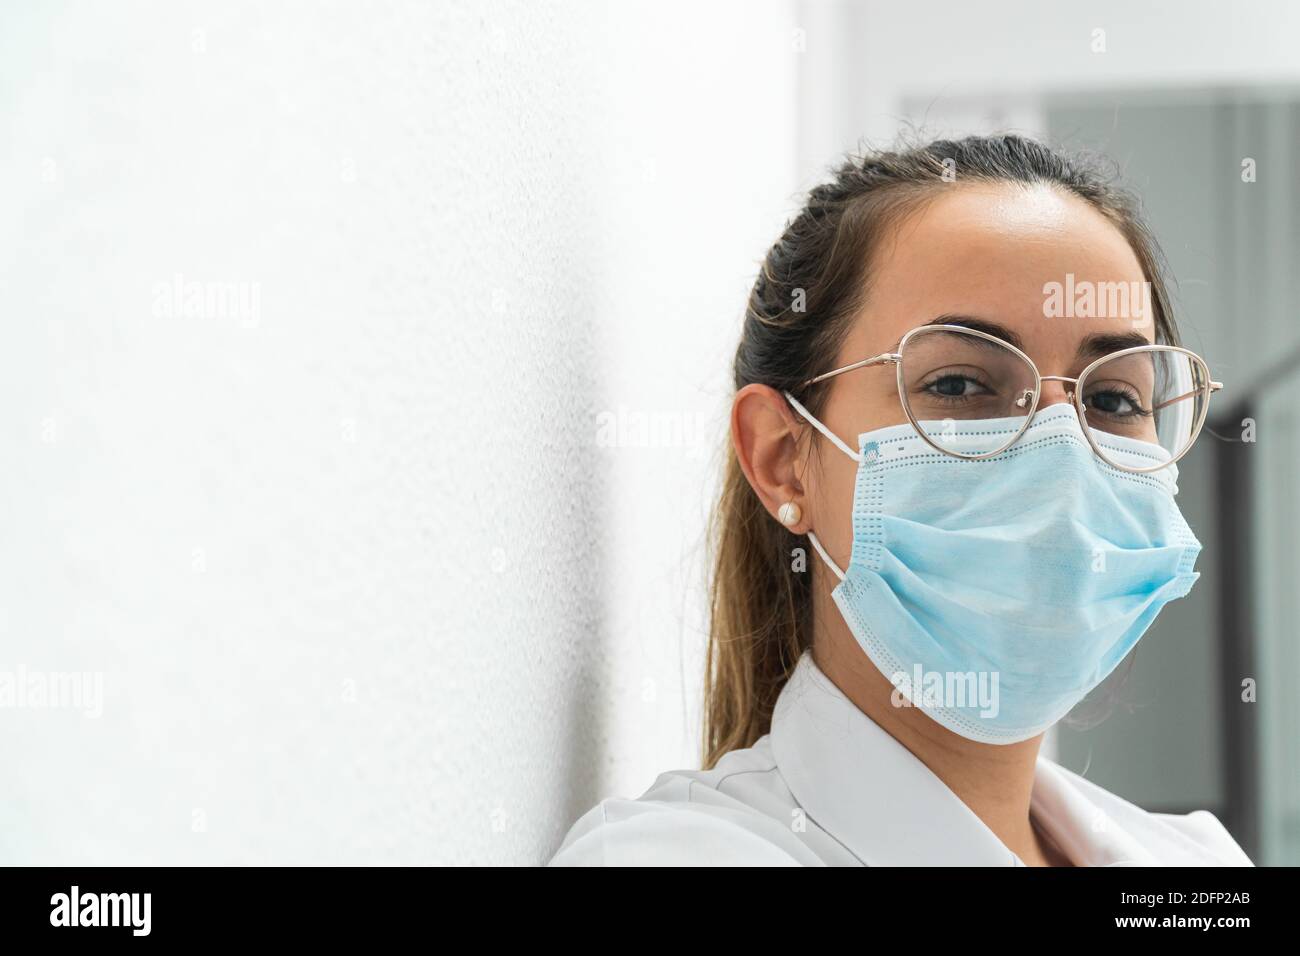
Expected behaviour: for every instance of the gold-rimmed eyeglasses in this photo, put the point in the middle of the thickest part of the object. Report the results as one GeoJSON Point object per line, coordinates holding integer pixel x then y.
{"type": "Point", "coordinates": [1158, 394]}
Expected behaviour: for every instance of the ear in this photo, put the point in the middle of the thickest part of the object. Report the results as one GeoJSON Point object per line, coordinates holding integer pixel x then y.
{"type": "Point", "coordinates": [767, 438]}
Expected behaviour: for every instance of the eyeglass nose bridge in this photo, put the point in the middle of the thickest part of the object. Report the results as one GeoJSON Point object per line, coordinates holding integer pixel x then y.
{"type": "Point", "coordinates": [1072, 382]}
{"type": "Point", "coordinates": [1027, 396]}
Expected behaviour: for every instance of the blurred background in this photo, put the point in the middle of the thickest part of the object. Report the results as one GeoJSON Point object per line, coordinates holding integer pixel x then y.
{"type": "Point", "coordinates": [366, 385]}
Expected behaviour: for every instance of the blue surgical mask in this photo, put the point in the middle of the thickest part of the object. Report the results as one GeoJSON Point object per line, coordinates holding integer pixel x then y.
{"type": "Point", "coordinates": [997, 593]}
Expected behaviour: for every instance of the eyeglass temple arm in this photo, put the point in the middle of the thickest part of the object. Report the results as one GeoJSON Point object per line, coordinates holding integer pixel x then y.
{"type": "Point", "coordinates": [1214, 387]}
{"type": "Point", "coordinates": [880, 359]}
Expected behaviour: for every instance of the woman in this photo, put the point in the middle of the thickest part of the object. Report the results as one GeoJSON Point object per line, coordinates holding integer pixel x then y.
{"type": "Point", "coordinates": [959, 382]}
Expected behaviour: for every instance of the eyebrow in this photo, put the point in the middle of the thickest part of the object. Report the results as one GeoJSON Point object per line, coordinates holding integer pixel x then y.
{"type": "Point", "coordinates": [979, 325]}
{"type": "Point", "coordinates": [1103, 343]}
{"type": "Point", "coordinates": [1092, 346]}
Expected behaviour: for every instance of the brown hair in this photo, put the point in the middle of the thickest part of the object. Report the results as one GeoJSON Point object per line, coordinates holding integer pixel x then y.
{"type": "Point", "coordinates": [812, 282]}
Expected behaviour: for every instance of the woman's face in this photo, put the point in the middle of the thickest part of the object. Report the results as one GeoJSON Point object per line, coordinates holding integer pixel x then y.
{"type": "Point", "coordinates": [984, 253]}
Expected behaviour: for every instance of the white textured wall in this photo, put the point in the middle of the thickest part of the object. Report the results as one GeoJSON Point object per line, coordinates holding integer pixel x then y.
{"type": "Point", "coordinates": [361, 578]}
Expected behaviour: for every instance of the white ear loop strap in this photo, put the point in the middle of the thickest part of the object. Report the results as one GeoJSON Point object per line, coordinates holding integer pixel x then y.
{"type": "Point", "coordinates": [825, 557]}
{"type": "Point", "coordinates": [842, 447]}
{"type": "Point", "coordinates": [822, 428]}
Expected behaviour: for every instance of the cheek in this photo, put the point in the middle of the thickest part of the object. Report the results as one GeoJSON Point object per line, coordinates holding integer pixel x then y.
{"type": "Point", "coordinates": [833, 495]}
{"type": "Point", "coordinates": [866, 403]}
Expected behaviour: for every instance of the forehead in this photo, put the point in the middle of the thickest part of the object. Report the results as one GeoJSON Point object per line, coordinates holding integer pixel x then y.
{"type": "Point", "coordinates": [1022, 257]}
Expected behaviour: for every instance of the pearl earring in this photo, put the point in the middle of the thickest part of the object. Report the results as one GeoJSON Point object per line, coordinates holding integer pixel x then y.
{"type": "Point", "coordinates": [788, 514]}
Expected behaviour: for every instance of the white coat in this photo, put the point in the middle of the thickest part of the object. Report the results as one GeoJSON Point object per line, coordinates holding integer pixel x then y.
{"type": "Point", "coordinates": [829, 787]}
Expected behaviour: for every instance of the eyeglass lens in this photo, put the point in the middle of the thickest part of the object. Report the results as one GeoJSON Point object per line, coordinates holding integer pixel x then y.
{"type": "Point", "coordinates": [1157, 396]}
{"type": "Point", "coordinates": [949, 376]}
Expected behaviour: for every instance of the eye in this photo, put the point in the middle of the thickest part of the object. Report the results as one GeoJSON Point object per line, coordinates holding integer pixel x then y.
{"type": "Point", "coordinates": [1113, 401]}
{"type": "Point", "coordinates": [955, 385]}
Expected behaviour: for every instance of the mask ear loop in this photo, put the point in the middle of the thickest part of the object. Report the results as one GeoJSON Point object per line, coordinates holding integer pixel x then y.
{"type": "Point", "coordinates": [835, 439]}
{"type": "Point", "coordinates": [825, 557]}
{"type": "Point", "coordinates": [839, 443]}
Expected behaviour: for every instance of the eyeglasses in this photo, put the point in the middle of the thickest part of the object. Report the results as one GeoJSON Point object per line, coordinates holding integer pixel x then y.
{"type": "Point", "coordinates": [946, 373]}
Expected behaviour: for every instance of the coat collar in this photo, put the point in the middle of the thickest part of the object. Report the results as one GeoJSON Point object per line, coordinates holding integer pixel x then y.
{"type": "Point", "coordinates": [874, 796]}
